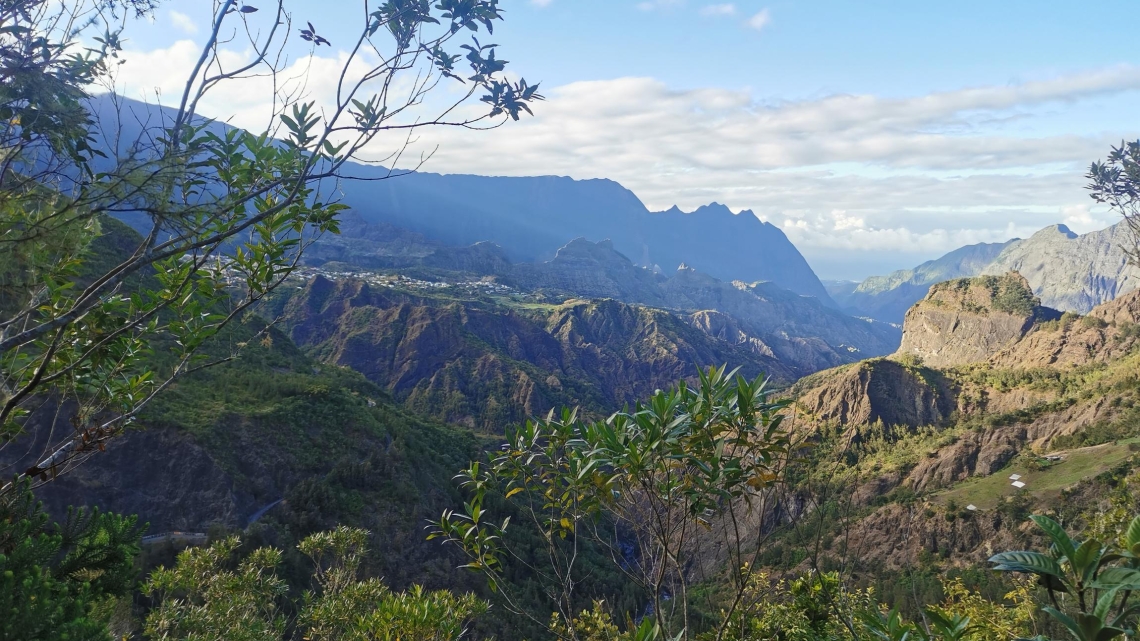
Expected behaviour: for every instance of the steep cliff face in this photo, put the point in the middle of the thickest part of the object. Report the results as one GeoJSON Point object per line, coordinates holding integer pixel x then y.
{"type": "Point", "coordinates": [878, 390]}
{"type": "Point", "coordinates": [1105, 335]}
{"type": "Point", "coordinates": [1071, 272]}
{"type": "Point", "coordinates": [1066, 389]}
{"type": "Point", "coordinates": [968, 320]}
{"type": "Point", "coordinates": [489, 366]}
{"type": "Point", "coordinates": [531, 217]}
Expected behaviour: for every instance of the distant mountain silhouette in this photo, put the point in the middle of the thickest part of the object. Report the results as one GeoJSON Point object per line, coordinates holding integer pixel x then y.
{"type": "Point", "coordinates": [532, 217]}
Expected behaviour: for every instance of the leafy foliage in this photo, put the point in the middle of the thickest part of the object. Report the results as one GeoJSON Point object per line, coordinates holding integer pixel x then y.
{"type": "Point", "coordinates": [54, 578]}
{"type": "Point", "coordinates": [226, 213]}
{"type": "Point", "coordinates": [1115, 182]}
{"type": "Point", "coordinates": [207, 596]}
{"type": "Point", "coordinates": [1098, 580]}
{"type": "Point", "coordinates": [683, 470]}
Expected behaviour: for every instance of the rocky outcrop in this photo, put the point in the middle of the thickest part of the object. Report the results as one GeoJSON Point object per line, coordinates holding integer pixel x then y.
{"type": "Point", "coordinates": [1071, 272]}
{"type": "Point", "coordinates": [727, 328]}
{"type": "Point", "coordinates": [975, 454]}
{"type": "Point", "coordinates": [968, 320]}
{"type": "Point", "coordinates": [1107, 333]}
{"type": "Point", "coordinates": [887, 298]}
{"type": "Point", "coordinates": [878, 390]}
{"type": "Point", "coordinates": [591, 270]}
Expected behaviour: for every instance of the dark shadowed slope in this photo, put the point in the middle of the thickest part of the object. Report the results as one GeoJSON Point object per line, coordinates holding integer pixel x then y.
{"type": "Point", "coordinates": [532, 217]}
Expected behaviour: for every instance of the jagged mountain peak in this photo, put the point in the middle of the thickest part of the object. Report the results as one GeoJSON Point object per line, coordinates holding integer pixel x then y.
{"type": "Point", "coordinates": [1073, 272]}
{"type": "Point", "coordinates": [1068, 271]}
{"type": "Point", "coordinates": [1059, 229]}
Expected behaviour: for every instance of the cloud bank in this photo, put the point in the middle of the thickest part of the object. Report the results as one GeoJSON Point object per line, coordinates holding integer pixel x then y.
{"type": "Point", "coordinates": [860, 183]}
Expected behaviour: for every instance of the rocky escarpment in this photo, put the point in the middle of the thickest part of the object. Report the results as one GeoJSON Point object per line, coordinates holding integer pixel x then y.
{"type": "Point", "coordinates": [1067, 388]}
{"type": "Point", "coordinates": [1071, 272]}
{"type": "Point", "coordinates": [878, 390]}
{"type": "Point", "coordinates": [1106, 334]}
{"type": "Point", "coordinates": [1017, 396]}
{"type": "Point", "coordinates": [489, 366]}
{"type": "Point", "coordinates": [968, 320]}
{"type": "Point", "coordinates": [801, 331]}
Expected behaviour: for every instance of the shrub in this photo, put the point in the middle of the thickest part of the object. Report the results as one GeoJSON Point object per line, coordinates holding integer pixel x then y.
{"type": "Point", "coordinates": [55, 580]}
{"type": "Point", "coordinates": [910, 361]}
{"type": "Point", "coordinates": [1093, 322]}
{"type": "Point", "coordinates": [206, 597]}
{"type": "Point", "coordinates": [1013, 297]}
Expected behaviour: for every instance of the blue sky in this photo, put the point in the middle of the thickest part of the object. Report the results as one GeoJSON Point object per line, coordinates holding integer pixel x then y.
{"type": "Point", "coordinates": [877, 134]}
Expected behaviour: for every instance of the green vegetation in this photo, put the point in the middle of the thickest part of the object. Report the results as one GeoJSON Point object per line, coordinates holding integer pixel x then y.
{"type": "Point", "coordinates": [1101, 577]}
{"type": "Point", "coordinates": [1063, 323]}
{"type": "Point", "coordinates": [207, 595]}
{"type": "Point", "coordinates": [63, 582]}
{"type": "Point", "coordinates": [1012, 295]}
{"type": "Point", "coordinates": [680, 472]}
{"type": "Point", "coordinates": [1044, 481]}
{"type": "Point", "coordinates": [225, 213]}
{"type": "Point", "coordinates": [700, 513]}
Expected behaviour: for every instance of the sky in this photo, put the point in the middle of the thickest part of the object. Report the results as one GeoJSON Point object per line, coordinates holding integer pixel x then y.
{"type": "Point", "coordinates": [875, 134]}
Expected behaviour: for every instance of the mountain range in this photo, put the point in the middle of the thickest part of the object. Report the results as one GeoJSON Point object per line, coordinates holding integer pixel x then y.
{"type": "Point", "coordinates": [1069, 272]}
{"type": "Point", "coordinates": [532, 217]}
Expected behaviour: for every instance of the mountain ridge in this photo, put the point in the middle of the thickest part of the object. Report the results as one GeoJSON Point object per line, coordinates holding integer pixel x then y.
{"type": "Point", "coordinates": [1068, 271]}
{"type": "Point", "coordinates": [532, 217]}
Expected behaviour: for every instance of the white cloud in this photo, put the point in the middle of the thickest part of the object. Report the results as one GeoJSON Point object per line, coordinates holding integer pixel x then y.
{"type": "Point", "coordinates": [183, 22]}
{"type": "Point", "coordinates": [714, 10]}
{"type": "Point", "coordinates": [850, 178]}
{"type": "Point", "coordinates": [760, 20]}
{"type": "Point", "coordinates": [541, 3]}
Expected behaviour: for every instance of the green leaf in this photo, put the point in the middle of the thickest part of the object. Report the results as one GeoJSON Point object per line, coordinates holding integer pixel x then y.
{"type": "Point", "coordinates": [1132, 536]}
{"type": "Point", "coordinates": [1066, 621]}
{"type": "Point", "coordinates": [1086, 559]}
{"type": "Point", "coordinates": [1057, 533]}
{"type": "Point", "coordinates": [1031, 562]}
{"type": "Point", "coordinates": [1117, 578]}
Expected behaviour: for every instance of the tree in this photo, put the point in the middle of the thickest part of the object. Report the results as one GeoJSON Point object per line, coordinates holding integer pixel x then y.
{"type": "Point", "coordinates": [1116, 183]}
{"type": "Point", "coordinates": [53, 578]}
{"type": "Point", "coordinates": [677, 491]}
{"type": "Point", "coordinates": [207, 596]}
{"type": "Point", "coordinates": [1090, 583]}
{"type": "Point", "coordinates": [225, 213]}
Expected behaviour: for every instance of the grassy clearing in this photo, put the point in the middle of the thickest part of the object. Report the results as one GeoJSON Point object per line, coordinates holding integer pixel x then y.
{"type": "Point", "coordinates": [1078, 464]}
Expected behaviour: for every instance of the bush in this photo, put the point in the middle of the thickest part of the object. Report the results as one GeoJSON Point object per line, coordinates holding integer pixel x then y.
{"type": "Point", "coordinates": [55, 580]}
{"type": "Point", "coordinates": [207, 596]}
{"type": "Point", "coordinates": [1013, 297]}
{"type": "Point", "coordinates": [910, 361]}
{"type": "Point", "coordinates": [1093, 322]}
